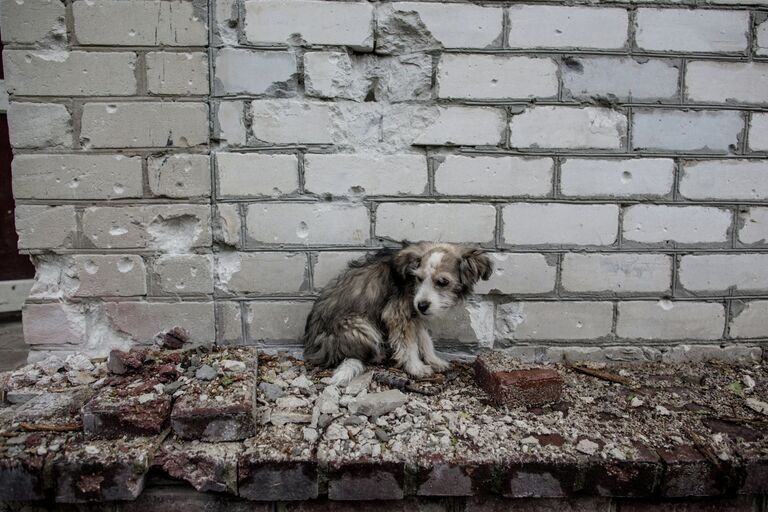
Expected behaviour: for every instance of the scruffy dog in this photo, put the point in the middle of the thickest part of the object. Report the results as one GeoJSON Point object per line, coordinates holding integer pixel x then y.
{"type": "Point", "coordinates": [382, 304]}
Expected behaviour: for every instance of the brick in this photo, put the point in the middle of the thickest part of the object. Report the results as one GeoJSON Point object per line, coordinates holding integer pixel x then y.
{"type": "Point", "coordinates": [227, 416]}
{"type": "Point", "coordinates": [559, 224]}
{"type": "Point", "coordinates": [366, 480]}
{"type": "Point", "coordinates": [452, 478]}
{"type": "Point", "coordinates": [240, 71]}
{"type": "Point", "coordinates": [32, 21]}
{"type": "Point", "coordinates": [568, 127]}
{"type": "Point", "coordinates": [689, 473]}
{"type": "Point", "coordinates": [749, 320]}
{"type": "Point", "coordinates": [75, 73]}
{"type": "Point", "coordinates": [761, 38]}
{"type": "Point", "coordinates": [76, 177]}
{"type": "Point", "coordinates": [307, 223]}
{"type": "Point", "coordinates": [113, 470]}
{"type": "Point", "coordinates": [685, 225]}
{"type": "Point", "coordinates": [109, 275]}
{"type": "Point", "coordinates": [178, 498]}
{"type": "Point", "coordinates": [738, 354]}
{"type": "Point", "coordinates": [312, 22]}
{"type": "Point", "coordinates": [667, 320]}
{"type": "Point", "coordinates": [229, 326]}
{"type": "Point", "coordinates": [39, 125]}
{"type": "Point", "coordinates": [184, 274]}
{"type": "Point", "coordinates": [725, 179]}
{"type": "Point", "coordinates": [182, 73]}
{"type": "Point", "coordinates": [263, 477]}
{"type": "Point", "coordinates": [493, 76]}
{"type": "Point", "coordinates": [494, 176]}
{"type": "Point", "coordinates": [722, 272]}
{"type": "Point", "coordinates": [141, 321]}
{"type": "Point", "coordinates": [227, 224]}
{"type": "Point", "coordinates": [553, 320]}
{"type": "Point", "coordinates": [600, 354]}
{"type": "Point", "coordinates": [22, 472]}
{"type": "Point", "coordinates": [332, 75]}
{"type": "Point", "coordinates": [544, 26]}
{"type": "Point", "coordinates": [168, 228]}
{"type": "Point", "coordinates": [111, 414]}
{"type": "Point", "coordinates": [60, 408]}
{"type": "Point", "coordinates": [229, 126]}
{"type": "Point", "coordinates": [711, 504]}
{"type": "Point", "coordinates": [263, 272]}
{"type": "Point", "coordinates": [139, 23]}
{"type": "Point", "coordinates": [446, 222]}
{"type": "Point", "coordinates": [145, 124]}
{"type": "Point", "coordinates": [54, 324]}
{"type": "Point", "coordinates": [286, 121]}
{"type": "Point", "coordinates": [636, 476]}
{"type": "Point", "coordinates": [256, 174]}
{"type": "Point", "coordinates": [753, 224]}
{"type": "Point", "coordinates": [572, 504]}
{"type": "Point", "coordinates": [697, 30]}
{"type": "Point", "coordinates": [726, 82]}
{"type": "Point", "coordinates": [466, 328]}
{"type": "Point", "coordinates": [622, 78]}
{"type": "Point", "coordinates": [276, 320]}
{"type": "Point", "coordinates": [328, 265]}
{"type": "Point", "coordinates": [647, 177]}
{"type": "Point", "coordinates": [438, 25]}
{"type": "Point", "coordinates": [471, 126]}
{"type": "Point", "coordinates": [45, 227]}
{"type": "Point", "coordinates": [356, 175]}
{"type": "Point", "coordinates": [506, 384]}
{"type": "Point", "coordinates": [179, 176]}
{"type": "Point", "coordinates": [518, 274]}
{"type": "Point", "coordinates": [208, 467]}
{"type": "Point", "coordinates": [617, 273]}
{"type": "Point", "coordinates": [541, 479]}
{"type": "Point", "coordinates": [758, 132]}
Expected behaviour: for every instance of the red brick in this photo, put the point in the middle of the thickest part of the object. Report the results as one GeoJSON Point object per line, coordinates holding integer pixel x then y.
{"type": "Point", "coordinates": [110, 416]}
{"type": "Point", "coordinates": [452, 478]}
{"type": "Point", "coordinates": [206, 466]}
{"type": "Point", "coordinates": [212, 420]}
{"type": "Point", "coordinates": [541, 479]}
{"type": "Point", "coordinates": [638, 477]}
{"type": "Point", "coordinates": [366, 480]}
{"type": "Point", "coordinates": [688, 473]}
{"type": "Point", "coordinates": [495, 373]}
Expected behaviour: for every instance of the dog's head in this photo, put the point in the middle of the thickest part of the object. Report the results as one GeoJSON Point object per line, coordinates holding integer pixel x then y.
{"type": "Point", "coordinates": [442, 274]}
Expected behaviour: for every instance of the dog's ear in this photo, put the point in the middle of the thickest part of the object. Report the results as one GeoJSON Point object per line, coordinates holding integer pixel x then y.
{"type": "Point", "coordinates": [473, 266]}
{"type": "Point", "coordinates": [407, 259]}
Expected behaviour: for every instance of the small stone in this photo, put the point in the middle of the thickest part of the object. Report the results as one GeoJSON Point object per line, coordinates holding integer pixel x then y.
{"type": "Point", "coordinates": [80, 378]}
{"type": "Point", "coordinates": [271, 391]}
{"type": "Point", "coordinates": [17, 440]}
{"type": "Point", "coordinates": [91, 450]}
{"type": "Point", "coordinates": [233, 366]}
{"type": "Point", "coordinates": [381, 435]}
{"type": "Point", "coordinates": [328, 403]}
{"type": "Point", "coordinates": [280, 418]}
{"type": "Point", "coordinates": [358, 384]}
{"type": "Point", "coordinates": [662, 410]}
{"type": "Point", "coordinates": [172, 339]}
{"type": "Point", "coordinates": [530, 440]}
{"type": "Point", "coordinates": [618, 454]}
{"type": "Point", "coordinates": [378, 404]}
{"type": "Point", "coordinates": [172, 387]}
{"type": "Point", "coordinates": [205, 372]}
{"type": "Point", "coordinates": [587, 446]}
{"type": "Point", "coordinates": [291, 402]}
{"type": "Point", "coordinates": [120, 363]}
{"type": "Point", "coordinates": [50, 365]}
{"type": "Point", "coordinates": [757, 405]}
{"type": "Point", "coordinates": [310, 434]}
{"type": "Point", "coordinates": [749, 383]}
{"type": "Point", "coordinates": [78, 362]}
{"type": "Point", "coordinates": [301, 382]}
{"type": "Point", "coordinates": [147, 397]}
{"type": "Point", "coordinates": [336, 432]}
{"type": "Point", "coordinates": [636, 402]}
{"type": "Point", "coordinates": [99, 383]}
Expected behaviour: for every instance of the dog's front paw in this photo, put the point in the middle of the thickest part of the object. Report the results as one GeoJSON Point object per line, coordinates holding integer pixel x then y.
{"type": "Point", "coordinates": [439, 365]}
{"type": "Point", "coordinates": [418, 370]}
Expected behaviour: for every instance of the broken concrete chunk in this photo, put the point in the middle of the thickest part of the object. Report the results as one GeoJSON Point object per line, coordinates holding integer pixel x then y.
{"type": "Point", "coordinates": [120, 362]}
{"type": "Point", "coordinates": [506, 383]}
{"type": "Point", "coordinates": [378, 404]}
{"type": "Point", "coordinates": [111, 416]}
{"type": "Point", "coordinates": [53, 408]}
{"type": "Point", "coordinates": [208, 467]}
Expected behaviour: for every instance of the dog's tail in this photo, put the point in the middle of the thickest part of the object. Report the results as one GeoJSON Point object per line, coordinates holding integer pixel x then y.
{"type": "Point", "coordinates": [347, 370]}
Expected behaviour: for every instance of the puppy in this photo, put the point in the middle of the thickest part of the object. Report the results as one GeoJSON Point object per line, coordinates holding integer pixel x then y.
{"type": "Point", "coordinates": [382, 304]}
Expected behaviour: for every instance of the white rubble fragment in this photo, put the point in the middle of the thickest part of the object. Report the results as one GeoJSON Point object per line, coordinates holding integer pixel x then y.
{"type": "Point", "coordinates": [587, 446]}
{"type": "Point", "coordinates": [757, 405]}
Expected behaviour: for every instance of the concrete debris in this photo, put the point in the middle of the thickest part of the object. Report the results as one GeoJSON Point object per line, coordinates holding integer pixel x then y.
{"type": "Point", "coordinates": [206, 372]}
{"type": "Point", "coordinates": [378, 404]}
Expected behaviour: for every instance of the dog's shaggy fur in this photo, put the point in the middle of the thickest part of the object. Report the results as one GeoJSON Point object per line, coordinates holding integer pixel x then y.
{"type": "Point", "coordinates": [381, 306]}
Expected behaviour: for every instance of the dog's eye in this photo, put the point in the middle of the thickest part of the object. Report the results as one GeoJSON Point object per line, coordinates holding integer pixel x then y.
{"type": "Point", "coordinates": [442, 282]}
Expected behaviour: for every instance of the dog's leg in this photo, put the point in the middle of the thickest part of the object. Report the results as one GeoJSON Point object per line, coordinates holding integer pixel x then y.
{"type": "Point", "coordinates": [405, 352]}
{"type": "Point", "coordinates": [427, 351]}
{"type": "Point", "coordinates": [346, 371]}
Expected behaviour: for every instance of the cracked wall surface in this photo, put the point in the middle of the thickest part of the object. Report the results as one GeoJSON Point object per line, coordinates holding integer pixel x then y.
{"type": "Point", "coordinates": [214, 165]}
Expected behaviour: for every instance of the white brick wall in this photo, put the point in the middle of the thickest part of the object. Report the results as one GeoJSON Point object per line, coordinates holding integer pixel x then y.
{"type": "Point", "coordinates": [610, 157]}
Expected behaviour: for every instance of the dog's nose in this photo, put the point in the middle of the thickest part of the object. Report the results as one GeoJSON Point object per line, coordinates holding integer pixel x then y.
{"type": "Point", "coordinates": [423, 306]}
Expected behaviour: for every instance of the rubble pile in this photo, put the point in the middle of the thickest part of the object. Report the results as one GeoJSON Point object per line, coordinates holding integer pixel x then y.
{"type": "Point", "coordinates": [269, 428]}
